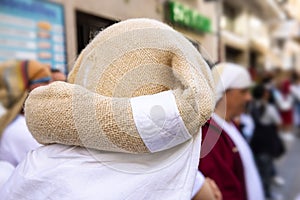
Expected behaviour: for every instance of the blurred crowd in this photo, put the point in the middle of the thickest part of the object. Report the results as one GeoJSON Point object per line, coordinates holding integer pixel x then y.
{"type": "Point", "coordinates": [271, 119]}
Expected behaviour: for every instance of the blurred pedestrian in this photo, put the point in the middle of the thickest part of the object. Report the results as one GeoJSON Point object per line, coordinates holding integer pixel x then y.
{"type": "Point", "coordinates": [246, 124]}
{"type": "Point", "coordinates": [17, 79]}
{"type": "Point", "coordinates": [284, 102]}
{"type": "Point", "coordinates": [271, 83]}
{"type": "Point", "coordinates": [225, 155]}
{"type": "Point", "coordinates": [295, 91]}
{"type": "Point", "coordinates": [127, 123]}
{"type": "Point", "coordinates": [266, 143]}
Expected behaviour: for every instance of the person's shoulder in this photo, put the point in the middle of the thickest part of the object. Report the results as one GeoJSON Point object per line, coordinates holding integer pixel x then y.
{"type": "Point", "coordinates": [17, 129]}
{"type": "Point", "coordinates": [19, 122]}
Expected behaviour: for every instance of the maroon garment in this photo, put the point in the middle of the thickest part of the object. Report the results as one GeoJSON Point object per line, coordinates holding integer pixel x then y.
{"type": "Point", "coordinates": [287, 115]}
{"type": "Point", "coordinates": [222, 163]}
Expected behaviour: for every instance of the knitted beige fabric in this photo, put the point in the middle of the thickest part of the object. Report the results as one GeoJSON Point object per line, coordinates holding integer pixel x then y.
{"type": "Point", "coordinates": [132, 58]}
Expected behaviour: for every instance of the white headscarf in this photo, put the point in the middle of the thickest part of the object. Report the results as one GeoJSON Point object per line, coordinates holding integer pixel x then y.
{"type": "Point", "coordinates": [230, 76]}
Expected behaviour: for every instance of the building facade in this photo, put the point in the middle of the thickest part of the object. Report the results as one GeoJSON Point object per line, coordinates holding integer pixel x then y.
{"type": "Point", "coordinates": [96, 15]}
{"type": "Point", "coordinates": [259, 34]}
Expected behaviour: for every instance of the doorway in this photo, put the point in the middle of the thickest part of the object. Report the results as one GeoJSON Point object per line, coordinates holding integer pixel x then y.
{"type": "Point", "coordinates": [88, 26]}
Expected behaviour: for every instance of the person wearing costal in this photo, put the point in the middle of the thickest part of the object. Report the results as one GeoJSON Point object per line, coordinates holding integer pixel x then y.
{"type": "Point", "coordinates": [225, 155]}
{"type": "Point", "coordinates": [17, 79]}
{"type": "Point", "coordinates": [126, 124]}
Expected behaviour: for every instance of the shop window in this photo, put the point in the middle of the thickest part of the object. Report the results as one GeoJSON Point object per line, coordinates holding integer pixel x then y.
{"type": "Point", "coordinates": [33, 30]}
{"type": "Point", "coordinates": [232, 19]}
{"type": "Point", "coordinates": [88, 26]}
{"type": "Point", "coordinates": [234, 55]}
{"type": "Point", "coordinates": [230, 14]}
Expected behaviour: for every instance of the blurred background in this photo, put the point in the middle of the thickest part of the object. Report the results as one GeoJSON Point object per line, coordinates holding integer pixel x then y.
{"type": "Point", "coordinates": [258, 34]}
{"type": "Point", "coordinates": [261, 35]}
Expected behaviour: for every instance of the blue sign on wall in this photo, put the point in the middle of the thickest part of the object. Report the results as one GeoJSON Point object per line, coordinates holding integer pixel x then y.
{"type": "Point", "coordinates": [33, 29]}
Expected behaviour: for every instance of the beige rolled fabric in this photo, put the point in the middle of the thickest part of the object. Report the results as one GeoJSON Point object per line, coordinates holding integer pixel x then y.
{"type": "Point", "coordinates": [133, 59]}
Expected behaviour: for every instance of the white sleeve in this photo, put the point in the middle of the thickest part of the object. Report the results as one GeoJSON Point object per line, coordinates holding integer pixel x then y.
{"type": "Point", "coordinates": [198, 183]}
{"type": "Point", "coordinates": [275, 115]}
{"type": "Point", "coordinates": [295, 92]}
{"type": "Point", "coordinates": [283, 104]}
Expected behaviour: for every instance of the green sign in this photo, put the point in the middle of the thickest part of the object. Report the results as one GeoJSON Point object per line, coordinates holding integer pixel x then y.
{"type": "Point", "coordinates": [184, 16]}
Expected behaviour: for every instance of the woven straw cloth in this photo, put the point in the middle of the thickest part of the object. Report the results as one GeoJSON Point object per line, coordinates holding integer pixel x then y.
{"type": "Point", "coordinates": [130, 59]}
{"type": "Point", "coordinates": [15, 79]}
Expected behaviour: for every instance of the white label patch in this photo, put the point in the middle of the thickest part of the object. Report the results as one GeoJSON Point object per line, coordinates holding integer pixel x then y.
{"type": "Point", "coordinates": [158, 121]}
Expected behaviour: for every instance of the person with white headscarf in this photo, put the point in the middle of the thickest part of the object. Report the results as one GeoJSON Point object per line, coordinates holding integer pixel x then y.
{"type": "Point", "coordinates": [126, 124]}
{"type": "Point", "coordinates": [225, 155]}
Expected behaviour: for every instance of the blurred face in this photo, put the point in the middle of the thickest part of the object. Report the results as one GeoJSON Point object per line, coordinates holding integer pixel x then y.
{"type": "Point", "coordinates": [58, 76]}
{"type": "Point", "coordinates": [236, 101]}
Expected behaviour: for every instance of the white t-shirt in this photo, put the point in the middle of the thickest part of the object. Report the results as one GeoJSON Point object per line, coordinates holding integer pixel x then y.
{"type": "Point", "coordinates": [271, 116]}
{"type": "Point", "coordinates": [198, 183]}
{"type": "Point", "coordinates": [16, 141]}
{"type": "Point", "coordinates": [284, 103]}
{"type": "Point", "coordinates": [6, 169]}
{"type": "Point", "coordinates": [68, 172]}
